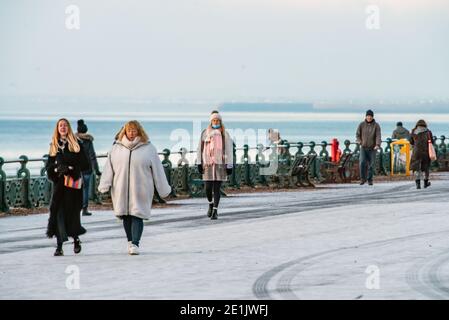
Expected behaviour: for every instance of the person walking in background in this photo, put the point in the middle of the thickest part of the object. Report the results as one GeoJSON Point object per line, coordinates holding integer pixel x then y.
{"type": "Point", "coordinates": [131, 172]}
{"type": "Point", "coordinates": [420, 162]}
{"type": "Point", "coordinates": [369, 138]}
{"type": "Point", "coordinates": [88, 147]}
{"type": "Point", "coordinates": [66, 162]}
{"type": "Point", "coordinates": [215, 160]}
{"type": "Point", "coordinates": [400, 132]}
{"type": "Point", "coordinates": [274, 139]}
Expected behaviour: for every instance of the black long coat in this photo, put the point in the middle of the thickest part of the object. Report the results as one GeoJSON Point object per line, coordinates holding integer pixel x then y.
{"type": "Point", "coordinates": [420, 156]}
{"type": "Point", "coordinates": [88, 147]}
{"type": "Point", "coordinates": [68, 200]}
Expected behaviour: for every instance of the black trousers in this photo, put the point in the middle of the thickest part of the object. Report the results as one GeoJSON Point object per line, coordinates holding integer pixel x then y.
{"type": "Point", "coordinates": [213, 191]}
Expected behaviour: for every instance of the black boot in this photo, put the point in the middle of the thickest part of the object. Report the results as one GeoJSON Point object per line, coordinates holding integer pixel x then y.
{"type": "Point", "coordinates": [362, 182]}
{"type": "Point", "coordinates": [211, 209]}
{"type": "Point", "coordinates": [214, 214]}
{"type": "Point", "coordinates": [426, 184]}
{"type": "Point", "coordinates": [418, 184]}
{"type": "Point", "coordinates": [76, 245]}
{"type": "Point", "coordinates": [86, 213]}
{"type": "Point", "coordinates": [59, 252]}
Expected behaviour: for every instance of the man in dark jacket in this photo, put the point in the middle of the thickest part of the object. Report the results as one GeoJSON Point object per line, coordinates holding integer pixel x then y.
{"type": "Point", "coordinates": [369, 137]}
{"type": "Point", "coordinates": [400, 132]}
{"type": "Point", "coordinates": [88, 147]}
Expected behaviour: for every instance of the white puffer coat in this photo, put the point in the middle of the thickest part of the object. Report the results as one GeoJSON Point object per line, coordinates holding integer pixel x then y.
{"type": "Point", "coordinates": [131, 172]}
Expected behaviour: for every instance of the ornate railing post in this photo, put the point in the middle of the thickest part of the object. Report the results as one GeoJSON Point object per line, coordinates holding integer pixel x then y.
{"type": "Point", "coordinates": [94, 194]}
{"type": "Point", "coordinates": [43, 171]}
{"type": "Point", "coordinates": [347, 148]}
{"type": "Point", "coordinates": [447, 147]}
{"type": "Point", "coordinates": [357, 149]}
{"type": "Point", "coordinates": [299, 152]}
{"type": "Point", "coordinates": [168, 166]}
{"type": "Point", "coordinates": [260, 157]}
{"type": "Point", "coordinates": [388, 146]}
{"type": "Point", "coordinates": [183, 165]}
{"type": "Point", "coordinates": [261, 163]}
{"type": "Point", "coordinates": [285, 162]}
{"type": "Point", "coordinates": [442, 150]}
{"type": "Point", "coordinates": [3, 204]}
{"type": "Point", "coordinates": [234, 182]}
{"type": "Point", "coordinates": [387, 156]}
{"type": "Point", "coordinates": [24, 174]}
{"type": "Point", "coordinates": [324, 154]}
{"type": "Point", "coordinates": [379, 164]}
{"type": "Point", "coordinates": [435, 164]}
{"type": "Point", "coordinates": [47, 191]}
{"type": "Point", "coordinates": [316, 165]}
{"type": "Point", "coordinates": [443, 155]}
{"type": "Point", "coordinates": [246, 167]}
{"type": "Point", "coordinates": [312, 145]}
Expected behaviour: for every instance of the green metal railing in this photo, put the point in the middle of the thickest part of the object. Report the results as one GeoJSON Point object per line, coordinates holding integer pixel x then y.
{"type": "Point", "coordinates": [24, 190]}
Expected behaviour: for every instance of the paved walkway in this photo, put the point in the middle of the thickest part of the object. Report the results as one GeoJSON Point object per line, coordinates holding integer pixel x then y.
{"type": "Point", "coordinates": [323, 244]}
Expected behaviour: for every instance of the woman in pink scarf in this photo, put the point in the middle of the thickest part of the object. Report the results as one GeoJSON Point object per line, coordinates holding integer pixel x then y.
{"type": "Point", "coordinates": [215, 160]}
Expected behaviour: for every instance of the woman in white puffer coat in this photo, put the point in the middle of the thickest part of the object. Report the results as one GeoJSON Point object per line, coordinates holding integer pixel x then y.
{"type": "Point", "coordinates": [131, 171]}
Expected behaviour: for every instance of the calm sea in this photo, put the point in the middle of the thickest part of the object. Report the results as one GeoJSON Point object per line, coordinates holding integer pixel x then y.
{"type": "Point", "coordinates": [25, 134]}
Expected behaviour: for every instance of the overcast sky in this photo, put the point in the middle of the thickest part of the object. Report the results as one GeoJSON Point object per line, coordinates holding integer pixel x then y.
{"type": "Point", "coordinates": [226, 49]}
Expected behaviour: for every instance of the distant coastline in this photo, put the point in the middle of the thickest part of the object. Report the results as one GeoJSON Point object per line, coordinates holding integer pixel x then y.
{"type": "Point", "coordinates": [291, 107]}
{"type": "Point", "coordinates": [17, 106]}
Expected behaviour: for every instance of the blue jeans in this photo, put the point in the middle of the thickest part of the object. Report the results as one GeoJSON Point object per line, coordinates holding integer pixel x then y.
{"type": "Point", "coordinates": [367, 161]}
{"type": "Point", "coordinates": [133, 228]}
{"type": "Point", "coordinates": [86, 189]}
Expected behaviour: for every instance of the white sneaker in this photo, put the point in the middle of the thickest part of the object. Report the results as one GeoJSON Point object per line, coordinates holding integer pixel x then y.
{"type": "Point", "coordinates": [134, 250]}
{"type": "Point", "coordinates": [129, 246]}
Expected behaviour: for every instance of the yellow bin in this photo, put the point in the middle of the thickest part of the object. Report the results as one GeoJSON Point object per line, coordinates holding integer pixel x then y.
{"type": "Point", "coordinates": [400, 157]}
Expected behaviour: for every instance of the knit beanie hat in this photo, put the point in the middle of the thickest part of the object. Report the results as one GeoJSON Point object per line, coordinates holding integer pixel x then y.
{"type": "Point", "coordinates": [214, 116]}
{"type": "Point", "coordinates": [82, 128]}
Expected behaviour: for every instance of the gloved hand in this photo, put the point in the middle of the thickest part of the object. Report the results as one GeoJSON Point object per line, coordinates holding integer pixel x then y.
{"type": "Point", "coordinates": [229, 168]}
{"type": "Point", "coordinates": [200, 169]}
{"type": "Point", "coordinates": [104, 191]}
{"type": "Point", "coordinates": [62, 169]}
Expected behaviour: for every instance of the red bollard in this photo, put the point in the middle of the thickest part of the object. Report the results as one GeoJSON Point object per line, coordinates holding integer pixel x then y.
{"type": "Point", "coordinates": [335, 151]}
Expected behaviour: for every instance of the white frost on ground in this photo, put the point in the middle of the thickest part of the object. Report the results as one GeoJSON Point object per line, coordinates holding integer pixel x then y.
{"type": "Point", "coordinates": [294, 245]}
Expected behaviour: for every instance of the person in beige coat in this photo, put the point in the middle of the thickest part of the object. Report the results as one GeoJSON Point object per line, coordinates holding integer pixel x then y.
{"type": "Point", "coordinates": [131, 171]}
{"type": "Point", "coordinates": [215, 160]}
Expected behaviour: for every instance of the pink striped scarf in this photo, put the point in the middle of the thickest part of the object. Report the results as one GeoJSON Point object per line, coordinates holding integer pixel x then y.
{"type": "Point", "coordinates": [213, 147]}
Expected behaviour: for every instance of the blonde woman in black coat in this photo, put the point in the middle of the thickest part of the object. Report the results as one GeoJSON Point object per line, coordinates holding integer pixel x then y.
{"type": "Point", "coordinates": [67, 160]}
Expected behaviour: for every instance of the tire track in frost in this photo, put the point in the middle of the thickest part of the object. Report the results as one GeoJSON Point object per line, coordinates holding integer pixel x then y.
{"type": "Point", "coordinates": [425, 277]}
{"type": "Point", "coordinates": [260, 286]}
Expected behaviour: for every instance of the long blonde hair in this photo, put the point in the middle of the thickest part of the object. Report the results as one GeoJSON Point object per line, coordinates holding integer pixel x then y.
{"type": "Point", "coordinates": [136, 125]}
{"type": "Point", "coordinates": [71, 139]}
